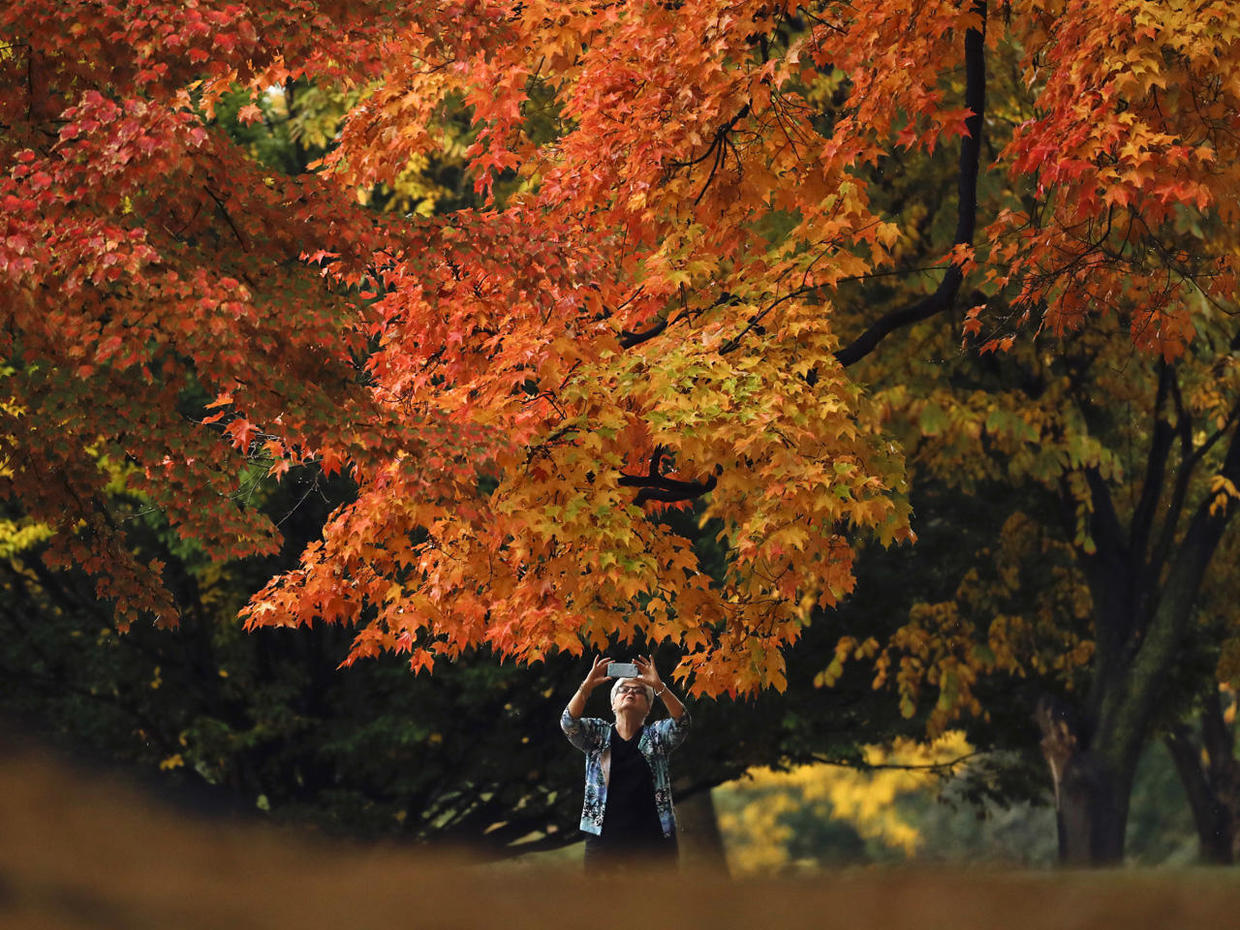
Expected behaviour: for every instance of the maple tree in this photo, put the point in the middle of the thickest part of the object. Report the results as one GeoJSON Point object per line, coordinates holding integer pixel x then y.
{"type": "Point", "coordinates": [265, 718]}
{"type": "Point", "coordinates": [647, 310]}
{"type": "Point", "coordinates": [147, 265]}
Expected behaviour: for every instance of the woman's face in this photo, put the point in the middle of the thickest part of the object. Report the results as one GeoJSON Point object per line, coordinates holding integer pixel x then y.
{"type": "Point", "coordinates": [631, 696]}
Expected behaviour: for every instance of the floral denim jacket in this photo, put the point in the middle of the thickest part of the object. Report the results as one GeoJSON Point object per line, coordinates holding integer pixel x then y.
{"type": "Point", "coordinates": [593, 737]}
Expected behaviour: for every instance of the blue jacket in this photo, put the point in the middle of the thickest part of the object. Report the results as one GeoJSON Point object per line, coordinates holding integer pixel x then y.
{"type": "Point", "coordinates": [593, 737]}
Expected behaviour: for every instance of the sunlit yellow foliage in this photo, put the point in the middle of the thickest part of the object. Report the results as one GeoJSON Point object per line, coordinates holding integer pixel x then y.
{"type": "Point", "coordinates": [17, 537]}
{"type": "Point", "coordinates": [759, 831]}
{"type": "Point", "coordinates": [757, 834]}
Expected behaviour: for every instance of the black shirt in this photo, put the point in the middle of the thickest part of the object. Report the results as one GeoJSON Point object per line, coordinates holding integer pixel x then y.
{"type": "Point", "coordinates": [630, 816]}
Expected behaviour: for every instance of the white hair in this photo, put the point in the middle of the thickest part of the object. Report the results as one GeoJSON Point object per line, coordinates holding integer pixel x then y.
{"type": "Point", "coordinates": [649, 691]}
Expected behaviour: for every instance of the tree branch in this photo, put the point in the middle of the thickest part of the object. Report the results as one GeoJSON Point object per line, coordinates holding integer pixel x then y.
{"type": "Point", "coordinates": [1155, 468]}
{"type": "Point", "coordinates": [628, 338]}
{"type": "Point", "coordinates": [717, 141]}
{"type": "Point", "coordinates": [1177, 604]}
{"type": "Point", "coordinates": [755, 321]}
{"type": "Point", "coordinates": [656, 487]}
{"type": "Point", "coordinates": [228, 218]}
{"type": "Point", "coordinates": [1106, 524]}
{"type": "Point", "coordinates": [1114, 612]}
{"type": "Point", "coordinates": [671, 492]}
{"type": "Point", "coordinates": [1188, 465]}
{"type": "Point", "coordinates": [947, 767]}
{"type": "Point", "coordinates": [966, 217]}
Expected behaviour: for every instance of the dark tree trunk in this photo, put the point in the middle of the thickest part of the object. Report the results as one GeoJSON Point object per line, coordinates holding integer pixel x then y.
{"type": "Point", "coordinates": [1091, 800]}
{"type": "Point", "coordinates": [1210, 774]}
{"type": "Point", "coordinates": [1092, 814]}
{"type": "Point", "coordinates": [701, 844]}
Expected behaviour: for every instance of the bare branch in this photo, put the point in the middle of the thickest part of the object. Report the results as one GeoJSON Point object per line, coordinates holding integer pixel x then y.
{"type": "Point", "coordinates": [947, 767]}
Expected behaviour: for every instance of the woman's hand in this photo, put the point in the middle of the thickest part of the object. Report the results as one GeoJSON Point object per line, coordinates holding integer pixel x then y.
{"type": "Point", "coordinates": [598, 674]}
{"type": "Point", "coordinates": [647, 673]}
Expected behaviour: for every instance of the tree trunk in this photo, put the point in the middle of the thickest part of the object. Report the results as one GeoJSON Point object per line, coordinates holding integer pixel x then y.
{"type": "Point", "coordinates": [1091, 799]}
{"type": "Point", "coordinates": [1144, 601]}
{"type": "Point", "coordinates": [1210, 774]}
{"type": "Point", "coordinates": [701, 844]}
{"type": "Point", "coordinates": [1092, 814]}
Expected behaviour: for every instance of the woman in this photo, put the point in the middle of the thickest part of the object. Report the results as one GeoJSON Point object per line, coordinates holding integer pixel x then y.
{"type": "Point", "coordinates": [627, 812]}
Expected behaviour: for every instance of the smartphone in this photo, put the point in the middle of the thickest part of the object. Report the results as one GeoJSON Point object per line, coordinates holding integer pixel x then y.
{"type": "Point", "coordinates": [621, 670]}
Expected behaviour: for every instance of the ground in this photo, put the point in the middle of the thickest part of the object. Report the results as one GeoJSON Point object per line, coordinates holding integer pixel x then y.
{"type": "Point", "coordinates": [81, 850]}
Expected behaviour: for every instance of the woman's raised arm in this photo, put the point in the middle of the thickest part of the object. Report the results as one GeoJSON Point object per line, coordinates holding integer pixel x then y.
{"type": "Point", "coordinates": [598, 675]}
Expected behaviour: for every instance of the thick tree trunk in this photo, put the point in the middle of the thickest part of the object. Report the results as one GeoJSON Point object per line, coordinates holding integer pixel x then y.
{"type": "Point", "coordinates": [1092, 815]}
{"type": "Point", "coordinates": [1091, 799]}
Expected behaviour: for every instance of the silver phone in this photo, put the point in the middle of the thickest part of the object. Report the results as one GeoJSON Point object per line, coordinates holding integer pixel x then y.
{"type": "Point", "coordinates": [621, 670]}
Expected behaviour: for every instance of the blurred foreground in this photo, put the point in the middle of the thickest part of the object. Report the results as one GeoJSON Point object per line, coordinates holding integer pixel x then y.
{"type": "Point", "coordinates": [80, 851]}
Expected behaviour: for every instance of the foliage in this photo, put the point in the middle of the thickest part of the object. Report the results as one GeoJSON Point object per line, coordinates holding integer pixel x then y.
{"type": "Point", "coordinates": [768, 805]}
{"type": "Point", "coordinates": [652, 303]}
{"type": "Point", "coordinates": [817, 816]}
{"type": "Point", "coordinates": [267, 722]}
{"type": "Point", "coordinates": [147, 264]}
{"type": "Point", "coordinates": [655, 309]}
{"type": "Point", "coordinates": [268, 718]}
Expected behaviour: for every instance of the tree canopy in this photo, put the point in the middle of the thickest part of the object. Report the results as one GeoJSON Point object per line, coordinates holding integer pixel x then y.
{"type": "Point", "coordinates": [686, 278]}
